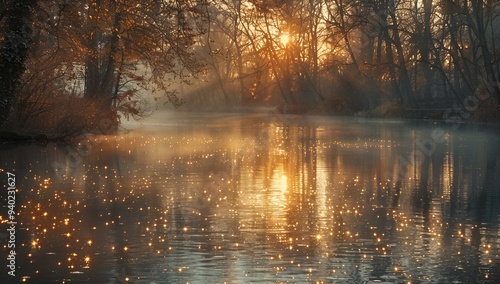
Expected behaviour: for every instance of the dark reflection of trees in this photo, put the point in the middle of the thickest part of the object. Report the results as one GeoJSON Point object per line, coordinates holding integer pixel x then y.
{"type": "Point", "coordinates": [471, 200]}
{"type": "Point", "coordinates": [485, 208]}
{"type": "Point", "coordinates": [105, 205]}
{"type": "Point", "coordinates": [422, 196]}
{"type": "Point", "coordinates": [300, 164]}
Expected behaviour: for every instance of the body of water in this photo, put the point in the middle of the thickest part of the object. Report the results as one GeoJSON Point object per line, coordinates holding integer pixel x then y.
{"type": "Point", "coordinates": [204, 198]}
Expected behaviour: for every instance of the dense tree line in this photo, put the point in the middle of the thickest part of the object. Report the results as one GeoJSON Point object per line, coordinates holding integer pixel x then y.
{"type": "Point", "coordinates": [66, 65]}
{"type": "Point", "coordinates": [353, 55]}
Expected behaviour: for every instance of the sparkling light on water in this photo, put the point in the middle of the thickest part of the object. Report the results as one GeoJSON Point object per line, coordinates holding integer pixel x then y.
{"type": "Point", "coordinates": [242, 199]}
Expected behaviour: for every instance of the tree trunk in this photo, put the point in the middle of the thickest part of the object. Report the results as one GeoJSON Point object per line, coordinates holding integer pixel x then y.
{"type": "Point", "coordinates": [239, 53]}
{"type": "Point", "coordinates": [100, 77]}
{"type": "Point", "coordinates": [406, 89]}
{"type": "Point", "coordinates": [107, 81]}
{"type": "Point", "coordinates": [483, 44]}
{"type": "Point", "coordinates": [14, 51]}
{"type": "Point", "coordinates": [425, 52]}
{"type": "Point", "coordinates": [92, 57]}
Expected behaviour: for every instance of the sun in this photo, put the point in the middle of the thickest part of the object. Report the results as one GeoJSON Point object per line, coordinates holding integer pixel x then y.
{"type": "Point", "coordinates": [284, 39]}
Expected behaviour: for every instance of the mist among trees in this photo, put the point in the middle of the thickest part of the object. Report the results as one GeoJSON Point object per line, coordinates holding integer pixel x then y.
{"type": "Point", "coordinates": [68, 65]}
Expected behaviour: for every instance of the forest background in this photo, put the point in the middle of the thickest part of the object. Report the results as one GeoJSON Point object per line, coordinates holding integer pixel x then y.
{"type": "Point", "coordinates": [71, 67]}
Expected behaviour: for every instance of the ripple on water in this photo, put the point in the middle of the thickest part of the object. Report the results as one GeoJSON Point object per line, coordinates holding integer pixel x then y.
{"type": "Point", "coordinates": [246, 199]}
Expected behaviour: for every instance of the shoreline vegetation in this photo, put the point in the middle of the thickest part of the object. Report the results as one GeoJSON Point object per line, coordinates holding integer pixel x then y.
{"type": "Point", "coordinates": [58, 119]}
{"type": "Point", "coordinates": [68, 68]}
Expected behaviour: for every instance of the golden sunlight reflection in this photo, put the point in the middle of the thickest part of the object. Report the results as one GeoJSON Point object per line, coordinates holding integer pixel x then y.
{"type": "Point", "coordinates": [247, 200]}
{"type": "Point", "coordinates": [282, 183]}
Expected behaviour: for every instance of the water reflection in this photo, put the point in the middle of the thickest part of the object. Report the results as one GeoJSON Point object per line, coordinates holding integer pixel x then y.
{"type": "Point", "coordinates": [212, 199]}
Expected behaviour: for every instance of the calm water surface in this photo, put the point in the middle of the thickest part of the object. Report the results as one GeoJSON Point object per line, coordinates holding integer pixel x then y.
{"type": "Point", "coordinates": [259, 199]}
